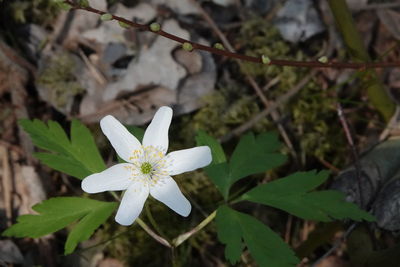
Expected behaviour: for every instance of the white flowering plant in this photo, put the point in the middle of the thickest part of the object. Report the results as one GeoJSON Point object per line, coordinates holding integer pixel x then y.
{"type": "Point", "coordinates": [145, 169]}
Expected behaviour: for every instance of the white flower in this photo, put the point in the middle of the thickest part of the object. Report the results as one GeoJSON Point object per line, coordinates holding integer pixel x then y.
{"type": "Point", "coordinates": [148, 169]}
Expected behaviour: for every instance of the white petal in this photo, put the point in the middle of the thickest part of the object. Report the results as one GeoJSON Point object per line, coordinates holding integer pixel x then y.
{"type": "Point", "coordinates": [167, 191]}
{"type": "Point", "coordinates": [132, 203]}
{"type": "Point", "coordinates": [156, 134]}
{"type": "Point", "coordinates": [120, 138]}
{"type": "Point", "coordinates": [112, 179]}
{"type": "Point", "coordinates": [188, 159]}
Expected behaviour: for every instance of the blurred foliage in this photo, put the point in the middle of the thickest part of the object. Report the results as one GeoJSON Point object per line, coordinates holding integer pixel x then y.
{"type": "Point", "coordinates": [59, 76]}
{"type": "Point", "coordinates": [34, 11]}
{"type": "Point", "coordinates": [228, 107]}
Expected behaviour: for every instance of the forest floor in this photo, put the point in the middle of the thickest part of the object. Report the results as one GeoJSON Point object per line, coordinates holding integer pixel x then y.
{"type": "Point", "coordinates": [64, 65]}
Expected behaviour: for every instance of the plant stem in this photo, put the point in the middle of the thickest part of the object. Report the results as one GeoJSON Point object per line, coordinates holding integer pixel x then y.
{"type": "Point", "coordinates": [226, 53]}
{"type": "Point", "coordinates": [158, 238]}
{"type": "Point", "coordinates": [355, 47]}
{"type": "Point", "coordinates": [183, 237]}
{"type": "Point", "coordinates": [145, 227]}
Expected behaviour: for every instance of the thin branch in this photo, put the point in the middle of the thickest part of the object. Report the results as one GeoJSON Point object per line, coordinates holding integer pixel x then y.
{"type": "Point", "coordinates": [156, 237]}
{"type": "Point", "coordinates": [282, 99]}
{"type": "Point", "coordinates": [356, 158]}
{"type": "Point", "coordinates": [183, 237]}
{"type": "Point", "coordinates": [274, 114]}
{"type": "Point", "coordinates": [145, 227]}
{"type": "Point", "coordinates": [226, 53]}
{"type": "Point", "coordinates": [336, 245]}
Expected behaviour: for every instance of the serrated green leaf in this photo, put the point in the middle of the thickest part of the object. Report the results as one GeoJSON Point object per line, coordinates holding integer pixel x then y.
{"type": "Point", "coordinates": [57, 213]}
{"type": "Point", "coordinates": [83, 143]}
{"type": "Point", "coordinates": [88, 224]}
{"type": "Point", "coordinates": [41, 136]}
{"type": "Point", "coordinates": [219, 175]}
{"type": "Point", "coordinates": [203, 139]}
{"type": "Point", "coordinates": [229, 233]}
{"type": "Point", "coordinates": [254, 155]}
{"type": "Point", "coordinates": [333, 204]}
{"type": "Point", "coordinates": [63, 164]}
{"type": "Point", "coordinates": [266, 247]}
{"type": "Point", "coordinates": [292, 195]}
{"type": "Point", "coordinates": [67, 155]}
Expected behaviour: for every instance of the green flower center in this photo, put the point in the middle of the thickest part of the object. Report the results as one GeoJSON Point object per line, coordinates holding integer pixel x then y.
{"type": "Point", "coordinates": [146, 168]}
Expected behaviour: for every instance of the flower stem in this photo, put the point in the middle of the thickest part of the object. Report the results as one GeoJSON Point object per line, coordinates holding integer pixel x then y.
{"type": "Point", "coordinates": [156, 237]}
{"type": "Point", "coordinates": [183, 237]}
{"type": "Point", "coordinates": [145, 227]}
{"type": "Point", "coordinates": [115, 195]}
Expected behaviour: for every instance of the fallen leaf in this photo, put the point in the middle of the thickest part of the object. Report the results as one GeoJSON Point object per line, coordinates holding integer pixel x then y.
{"type": "Point", "coordinates": [298, 20]}
{"type": "Point", "coordinates": [10, 253]}
{"type": "Point", "coordinates": [154, 65]}
{"type": "Point", "coordinates": [391, 19]}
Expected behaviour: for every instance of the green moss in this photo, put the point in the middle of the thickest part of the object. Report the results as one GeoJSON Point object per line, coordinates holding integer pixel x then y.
{"type": "Point", "coordinates": [58, 78]}
{"type": "Point", "coordinates": [313, 121]}
{"type": "Point", "coordinates": [227, 108]}
{"type": "Point", "coordinates": [33, 11]}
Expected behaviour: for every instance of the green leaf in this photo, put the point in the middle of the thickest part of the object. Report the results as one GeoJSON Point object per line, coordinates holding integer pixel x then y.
{"type": "Point", "coordinates": [63, 164]}
{"type": "Point", "coordinates": [255, 155]}
{"type": "Point", "coordinates": [219, 175]}
{"type": "Point", "coordinates": [229, 233]}
{"type": "Point", "coordinates": [57, 213]}
{"type": "Point", "coordinates": [292, 195]}
{"type": "Point", "coordinates": [83, 143]}
{"type": "Point", "coordinates": [203, 139]}
{"type": "Point", "coordinates": [77, 157]}
{"type": "Point", "coordinates": [252, 155]}
{"type": "Point", "coordinates": [266, 247]}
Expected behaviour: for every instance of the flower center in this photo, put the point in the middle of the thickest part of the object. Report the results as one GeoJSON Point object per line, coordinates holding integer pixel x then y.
{"type": "Point", "coordinates": [146, 168]}
{"type": "Point", "coordinates": [149, 164]}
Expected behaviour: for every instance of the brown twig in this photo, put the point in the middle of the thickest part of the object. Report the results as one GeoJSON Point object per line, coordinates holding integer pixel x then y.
{"type": "Point", "coordinates": [226, 53]}
{"type": "Point", "coordinates": [6, 184]}
{"type": "Point", "coordinates": [284, 98]}
{"type": "Point", "coordinates": [336, 245]}
{"type": "Point", "coordinates": [9, 146]}
{"type": "Point", "coordinates": [288, 231]}
{"type": "Point", "coordinates": [356, 159]}
{"type": "Point", "coordinates": [274, 114]}
{"type": "Point", "coordinates": [329, 165]}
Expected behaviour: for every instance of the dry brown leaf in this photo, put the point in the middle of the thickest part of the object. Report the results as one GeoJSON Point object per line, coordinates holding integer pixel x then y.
{"type": "Point", "coordinates": [391, 19]}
